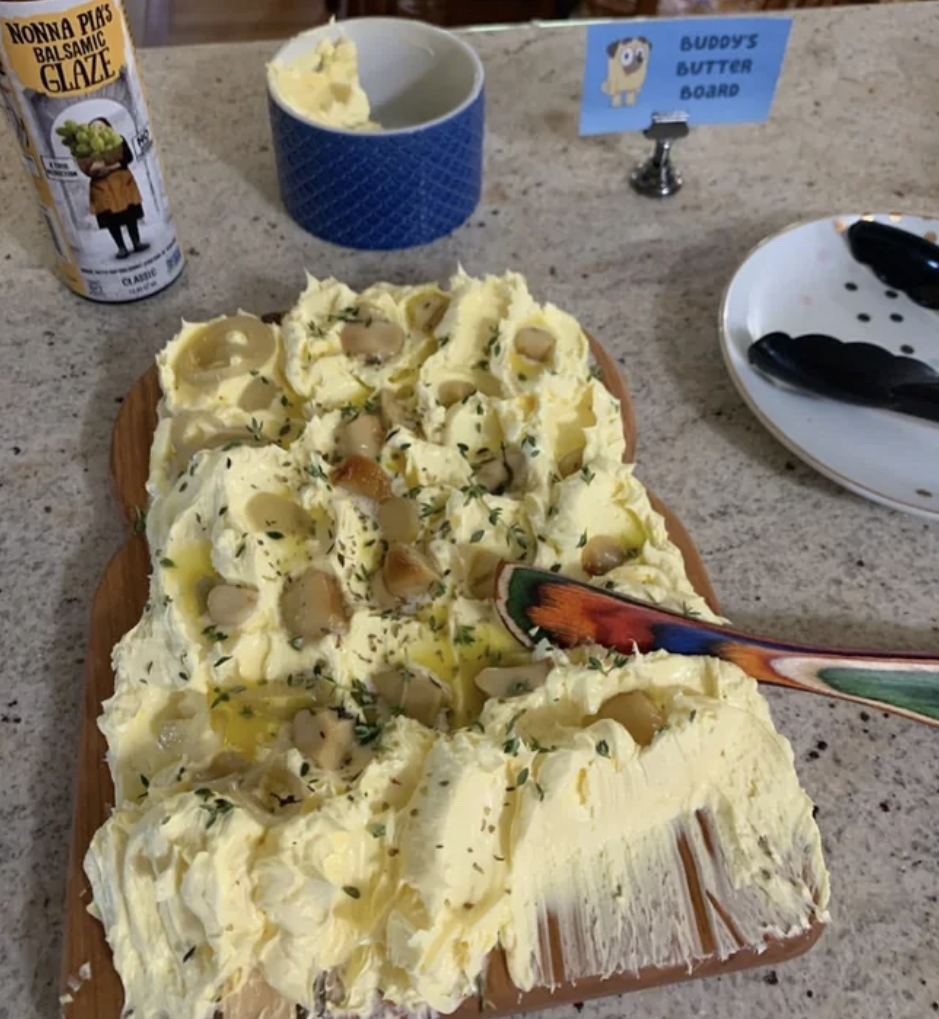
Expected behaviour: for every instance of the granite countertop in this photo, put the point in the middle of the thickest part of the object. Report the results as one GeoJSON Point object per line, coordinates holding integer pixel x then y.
{"type": "Point", "coordinates": [853, 128]}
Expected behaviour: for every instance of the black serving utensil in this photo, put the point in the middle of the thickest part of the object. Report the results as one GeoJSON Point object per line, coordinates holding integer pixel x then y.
{"type": "Point", "coordinates": [901, 260]}
{"type": "Point", "coordinates": [859, 373]}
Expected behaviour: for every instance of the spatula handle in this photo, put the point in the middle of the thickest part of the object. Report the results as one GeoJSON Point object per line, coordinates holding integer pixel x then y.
{"type": "Point", "coordinates": [904, 686]}
{"type": "Point", "coordinates": [534, 604]}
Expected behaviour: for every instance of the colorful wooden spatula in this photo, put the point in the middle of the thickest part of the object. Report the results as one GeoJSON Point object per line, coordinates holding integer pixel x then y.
{"type": "Point", "coordinates": [534, 604]}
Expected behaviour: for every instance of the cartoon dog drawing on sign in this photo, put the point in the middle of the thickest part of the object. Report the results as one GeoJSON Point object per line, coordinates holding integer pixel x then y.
{"type": "Point", "coordinates": [627, 67]}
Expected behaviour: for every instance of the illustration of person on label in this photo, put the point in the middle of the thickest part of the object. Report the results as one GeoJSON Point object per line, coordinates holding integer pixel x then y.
{"type": "Point", "coordinates": [627, 67]}
{"type": "Point", "coordinates": [104, 155]}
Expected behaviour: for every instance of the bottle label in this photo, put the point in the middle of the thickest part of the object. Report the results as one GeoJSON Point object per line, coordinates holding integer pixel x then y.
{"type": "Point", "coordinates": [69, 84]}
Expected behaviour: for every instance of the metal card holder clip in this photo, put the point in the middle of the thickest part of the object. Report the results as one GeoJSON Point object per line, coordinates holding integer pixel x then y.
{"type": "Point", "coordinates": [657, 177]}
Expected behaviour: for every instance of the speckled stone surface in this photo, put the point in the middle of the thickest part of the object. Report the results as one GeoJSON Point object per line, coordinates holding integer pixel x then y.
{"type": "Point", "coordinates": [854, 128]}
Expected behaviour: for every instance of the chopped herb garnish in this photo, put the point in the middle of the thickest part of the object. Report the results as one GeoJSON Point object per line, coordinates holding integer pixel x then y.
{"type": "Point", "coordinates": [693, 715]}
{"type": "Point", "coordinates": [315, 471]}
{"type": "Point", "coordinates": [511, 726]}
{"type": "Point", "coordinates": [376, 830]}
{"type": "Point", "coordinates": [603, 748]}
{"type": "Point", "coordinates": [350, 314]}
{"type": "Point", "coordinates": [304, 769]}
{"type": "Point", "coordinates": [367, 732]}
{"type": "Point", "coordinates": [274, 535]}
{"type": "Point", "coordinates": [140, 520]}
{"type": "Point", "coordinates": [517, 534]}
{"type": "Point", "coordinates": [189, 954]}
{"type": "Point", "coordinates": [216, 809]}
{"type": "Point", "coordinates": [477, 536]}
{"type": "Point", "coordinates": [352, 891]}
{"type": "Point", "coordinates": [582, 540]}
{"type": "Point", "coordinates": [223, 660]}
{"type": "Point", "coordinates": [167, 563]}
{"type": "Point", "coordinates": [465, 634]}
{"type": "Point", "coordinates": [587, 474]}
{"type": "Point", "coordinates": [296, 643]}
{"type": "Point", "coordinates": [539, 790]}
{"type": "Point", "coordinates": [522, 777]}
{"type": "Point", "coordinates": [510, 746]}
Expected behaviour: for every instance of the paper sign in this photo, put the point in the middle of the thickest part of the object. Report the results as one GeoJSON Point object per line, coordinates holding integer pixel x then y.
{"type": "Point", "coordinates": [717, 70]}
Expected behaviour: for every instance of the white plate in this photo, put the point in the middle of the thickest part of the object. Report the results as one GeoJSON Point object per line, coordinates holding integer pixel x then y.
{"type": "Point", "coordinates": [804, 280]}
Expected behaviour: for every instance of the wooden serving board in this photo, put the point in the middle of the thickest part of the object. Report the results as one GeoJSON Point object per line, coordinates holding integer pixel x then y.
{"type": "Point", "coordinates": [117, 606]}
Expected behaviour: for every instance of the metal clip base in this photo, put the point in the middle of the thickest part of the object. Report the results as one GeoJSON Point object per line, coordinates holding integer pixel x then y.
{"type": "Point", "coordinates": [657, 177]}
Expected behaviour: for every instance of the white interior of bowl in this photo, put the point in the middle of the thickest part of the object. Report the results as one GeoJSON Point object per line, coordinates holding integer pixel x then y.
{"type": "Point", "coordinates": [413, 74]}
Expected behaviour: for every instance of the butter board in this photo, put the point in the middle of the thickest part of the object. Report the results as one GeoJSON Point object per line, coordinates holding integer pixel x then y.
{"type": "Point", "coordinates": [117, 605]}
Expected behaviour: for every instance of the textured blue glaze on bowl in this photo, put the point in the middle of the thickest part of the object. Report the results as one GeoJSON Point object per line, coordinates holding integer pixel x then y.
{"type": "Point", "coordinates": [403, 185]}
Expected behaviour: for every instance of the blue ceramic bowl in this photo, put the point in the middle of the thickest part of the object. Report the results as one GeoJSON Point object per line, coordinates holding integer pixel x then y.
{"type": "Point", "coordinates": [415, 180]}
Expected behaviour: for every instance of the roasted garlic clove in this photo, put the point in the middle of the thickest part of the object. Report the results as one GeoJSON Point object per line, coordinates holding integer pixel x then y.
{"type": "Point", "coordinates": [399, 520]}
{"type": "Point", "coordinates": [372, 339]}
{"type": "Point", "coordinates": [493, 474]}
{"type": "Point", "coordinates": [268, 512]}
{"type": "Point", "coordinates": [512, 680]}
{"type": "Point", "coordinates": [426, 311]}
{"type": "Point", "coordinates": [407, 572]}
{"type": "Point", "coordinates": [481, 575]}
{"type": "Point", "coordinates": [258, 395]}
{"type": "Point", "coordinates": [229, 605]}
{"type": "Point", "coordinates": [571, 462]}
{"type": "Point", "coordinates": [453, 391]}
{"type": "Point", "coordinates": [534, 343]}
{"type": "Point", "coordinates": [602, 554]}
{"type": "Point", "coordinates": [637, 713]}
{"type": "Point", "coordinates": [416, 693]}
{"type": "Point", "coordinates": [225, 349]}
{"type": "Point", "coordinates": [256, 998]}
{"type": "Point", "coordinates": [312, 605]}
{"type": "Point", "coordinates": [362, 436]}
{"type": "Point", "coordinates": [192, 431]}
{"type": "Point", "coordinates": [516, 463]}
{"type": "Point", "coordinates": [362, 476]}
{"type": "Point", "coordinates": [325, 737]}
{"type": "Point", "coordinates": [392, 407]}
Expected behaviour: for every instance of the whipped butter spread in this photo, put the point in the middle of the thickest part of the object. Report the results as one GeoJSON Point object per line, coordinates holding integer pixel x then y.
{"type": "Point", "coordinates": [339, 781]}
{"type": "Point", "coordinates": [324, 86]}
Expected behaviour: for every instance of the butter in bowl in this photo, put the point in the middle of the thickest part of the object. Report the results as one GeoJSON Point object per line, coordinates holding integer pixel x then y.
{"type": "Point", "coordinates": [378, 131]}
